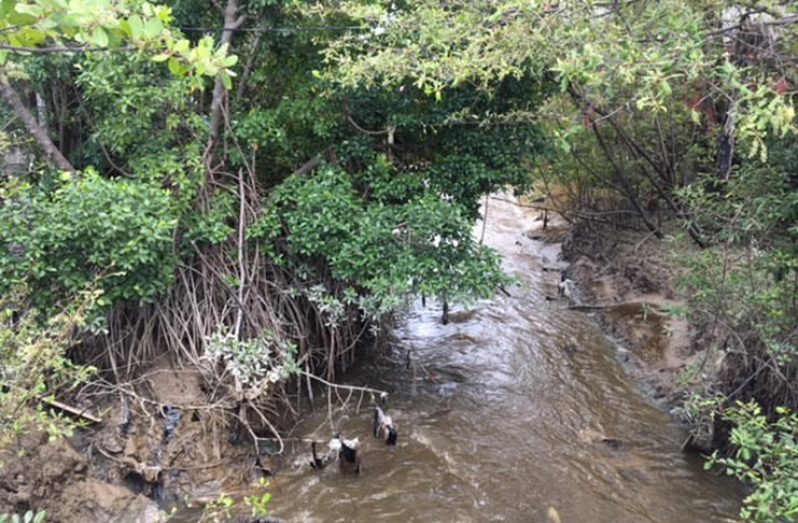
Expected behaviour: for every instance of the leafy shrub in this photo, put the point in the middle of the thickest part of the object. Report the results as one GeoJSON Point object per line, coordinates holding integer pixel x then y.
{"type": "Point", "coordinates": [386, 252]}
{"type": "Point", "coordinates": [254, 365]}
{"type": "Point", "coordinates": [34, 363]}
{"type": "Point", "coordinates": [766, 458]}
{"type": "Point", "coordinates": [115, 233]}
{"type": "Point", "coordinates": [745, 286]}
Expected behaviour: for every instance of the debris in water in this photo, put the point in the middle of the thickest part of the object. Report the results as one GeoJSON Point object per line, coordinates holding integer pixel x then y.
{"type": "Point", "coordinates": [384, 428]}
{"type": "Point", "coordinates": [565, 288]}
{"type": "Point", "coordinates": [342, 450]}
{"type": "Point", "coordinates": [348, 460]}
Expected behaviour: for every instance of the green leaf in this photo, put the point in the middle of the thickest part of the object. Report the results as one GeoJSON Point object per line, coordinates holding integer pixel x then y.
{"type": "Point", "coordinates": [29, 9]}
{"type": "Point", "coordinates": [182, 46]}
{"type": "Point", "coordinates": [99, 37]}
{"type": "Point", "coordinates": [7, 7]}
{"type": "Point", "coordinates": [175, 67]}
{"type": "Point", "coordinates": [136, 27]}
{"type": "Point", "coordinates": [153, 28]}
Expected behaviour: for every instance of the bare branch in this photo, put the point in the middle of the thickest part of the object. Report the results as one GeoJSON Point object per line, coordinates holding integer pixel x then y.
{"type": "Point", "coordinates": [220, 95]}
{"type": "Point", "coordinates": [13, 99]}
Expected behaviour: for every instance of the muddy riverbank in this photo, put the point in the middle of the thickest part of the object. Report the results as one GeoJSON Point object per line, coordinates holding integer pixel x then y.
{"type": "Point", "coordinates": [628, 282]}
{"type": "Point", "coordinates": [519, 406]}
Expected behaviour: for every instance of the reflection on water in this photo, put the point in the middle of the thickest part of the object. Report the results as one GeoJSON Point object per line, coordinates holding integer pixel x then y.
{"type": "Point", "coordinates": [520, 406]}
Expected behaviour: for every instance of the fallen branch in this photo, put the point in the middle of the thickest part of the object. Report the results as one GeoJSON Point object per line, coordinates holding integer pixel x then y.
{"type": "Point", "coordinates": [353, 388]}
{"type": "Point", "coordinates": [72, 410]}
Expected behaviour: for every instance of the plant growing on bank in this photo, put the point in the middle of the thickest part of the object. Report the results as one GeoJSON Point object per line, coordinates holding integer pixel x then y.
{"type": "Point", "coordinates": [29, 517]}
{"type": "Point", "coordinates": [34, 364]}
{"type": "Point", "coordinates": [225, 506]}
{"type": "Point", "coordinates": [390, 250]}
{"type": "Point", "coordinates": [258, 502]}
{"type": "Point", "coordinates": [255, 366]}
{"type": "Point", "coordinates": [744, 292]}
{"type": "Point", "coordinates": [86, 230]}
{"type": "Point", "coordinates": [765, 457]}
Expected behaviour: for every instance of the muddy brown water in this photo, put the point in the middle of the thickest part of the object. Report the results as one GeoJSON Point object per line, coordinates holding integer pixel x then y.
{"type": "Point", "coordinates": [506, 419]}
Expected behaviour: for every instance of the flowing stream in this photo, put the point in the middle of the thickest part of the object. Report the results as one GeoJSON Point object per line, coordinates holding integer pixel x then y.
{"type": "Point", "coordinates": [515, 408]}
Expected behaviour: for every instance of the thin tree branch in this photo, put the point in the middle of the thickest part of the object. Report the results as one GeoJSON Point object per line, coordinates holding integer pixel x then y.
{"type": "Point", "coordinates": [13, 99]}
{"type": "Point", "coordinates": [63, 49]}
{"type": "Point", "coordinates": [220, 95]}
{"type": "Point", "coordinates": [242, 82]}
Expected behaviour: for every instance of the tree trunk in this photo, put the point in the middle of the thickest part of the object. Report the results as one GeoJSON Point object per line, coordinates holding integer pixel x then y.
{"type": "Point", "coordinates": [231, 22]}
{"type": "Point", "coordinates": [39, 133]}
{"type": "Point", "coordinates": [726, 147]}
{"type": "Point", "coordinates": [41, 111]}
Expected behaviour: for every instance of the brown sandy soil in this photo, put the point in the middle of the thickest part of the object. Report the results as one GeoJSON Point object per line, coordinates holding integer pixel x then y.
{"type": "Point", "coordinates": [55, 477]}
{"type": "Point", "coordinates": [627, 279]}
{"type": "Point", "coordinates": [630, 278]}
{"type": "Point", "coordinates": [116, 471]}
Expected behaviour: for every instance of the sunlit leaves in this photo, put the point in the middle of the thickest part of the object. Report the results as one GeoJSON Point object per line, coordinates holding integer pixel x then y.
{"type": "Point", "coordinates": [34, 363]}
{"type": "Point", "coordinates": [766, 457]}
{"type": "Point", "coordinates": [105, 24]}
{"type": "Point", "coordinates": [640, 55]}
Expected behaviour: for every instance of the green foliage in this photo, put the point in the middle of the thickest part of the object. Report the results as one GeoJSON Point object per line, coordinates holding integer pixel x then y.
{"type": "Point", "coordinates": [34, 364]}
{"type": "Point", "coordinates": [254, 365]}
{"type": "Point", "coordinates": [104, 24]}
{"type": "Point", "coordinates": [218, 510]}
{"type": "Point", "coordinates": [391, 214]}
{"type": "Point", "coordinates": [259, 502]}
{"type": "Point", "coordinates": [87, 231]}
{"type": "Point", "coordinates": [29, 517]}
{"type": "Point", "coordinates": [222, 508]}
{"type": "Point", "coordinates": [749, 281]}
{"type": "Point", "coordinates": [211, 225]}
{"type": "Point", "coordinates": [766, 458]}
{"type": "Point", "coordinates": [387, 251]}
{"type": "Point", "coordinates": [640, 54]}
{"type": "Point", "coordinates": [135, 109]}
{"type": "Point", "coordinates": [457, 146]}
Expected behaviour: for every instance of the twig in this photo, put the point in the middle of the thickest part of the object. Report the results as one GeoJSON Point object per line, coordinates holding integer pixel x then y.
{"type": "Point", "coordinates": [641, 242]}
{"type": "Point", "coordinates": [72, 410]}
{"type": "Point", "coordinates": [354, 388]}
{"type": "Point", "coordinates": [242, 275]}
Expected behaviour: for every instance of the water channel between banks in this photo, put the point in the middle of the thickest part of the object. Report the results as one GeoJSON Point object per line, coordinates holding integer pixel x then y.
{"type": "Point", "coordinates": [520, 405]}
